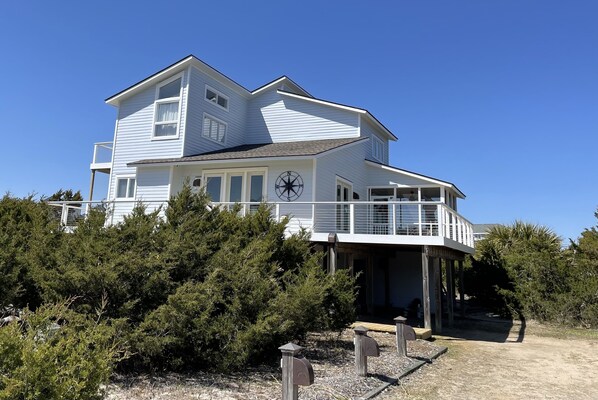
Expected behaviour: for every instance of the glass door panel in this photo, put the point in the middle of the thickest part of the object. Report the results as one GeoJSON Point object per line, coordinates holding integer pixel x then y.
{"type": "Point", "coordinates": [342, 210]}
{"type": "Point", "coordinates": [214, 187]}
{"type": "Point", "coordinates": [256, 191]}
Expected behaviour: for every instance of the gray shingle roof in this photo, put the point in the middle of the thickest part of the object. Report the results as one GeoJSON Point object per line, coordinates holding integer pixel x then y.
{"type": "Point", "coordinates": [264, 150]}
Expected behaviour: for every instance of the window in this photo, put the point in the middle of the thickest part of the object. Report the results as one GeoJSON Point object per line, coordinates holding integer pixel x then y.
{"type": "Point", "coordinates": [214, 129]}
{"type": "Point", "coordinates": [214, 187]}
{"type": "Point", "coordinates": [236, 186]}
{"type": "Point", "coordinates": [125, 188]}
{"type": "Point", "coordinates": [214, 96]}
{"type": "Point", "coordinates": [377, 149]}
{"type": "Point", "coordinates": [166, 120]}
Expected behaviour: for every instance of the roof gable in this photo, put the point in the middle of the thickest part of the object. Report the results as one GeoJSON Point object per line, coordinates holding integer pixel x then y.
{"type": "Point", "coordinates": [172, 69]}
{"type": "Point", "coordinates": [417, 176]}
{"type": "Point", "coordinates": [360, 111]}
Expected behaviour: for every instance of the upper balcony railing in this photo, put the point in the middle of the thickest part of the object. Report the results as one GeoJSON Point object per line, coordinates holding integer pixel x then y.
{"type": "Point", "coordinates": [409, 222]}
{"type": "Point", "coordinates": [102, 156]}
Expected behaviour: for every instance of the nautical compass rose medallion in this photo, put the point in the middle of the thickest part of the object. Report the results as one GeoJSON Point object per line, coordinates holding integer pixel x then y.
{"type": "Point", "coordinates": [289, 186]}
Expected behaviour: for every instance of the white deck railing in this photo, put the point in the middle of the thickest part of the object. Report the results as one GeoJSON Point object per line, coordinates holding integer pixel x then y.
{"type": "Point", "coordinates": [102, 154]}
{"type": "Point", "coordinates": [375, 218]}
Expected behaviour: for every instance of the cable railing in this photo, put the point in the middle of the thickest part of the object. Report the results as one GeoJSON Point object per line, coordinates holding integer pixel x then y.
{"type": "Point", "coordinates": [375, 218]}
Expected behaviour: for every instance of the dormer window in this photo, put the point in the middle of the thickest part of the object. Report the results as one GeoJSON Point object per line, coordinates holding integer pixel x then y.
{"type": "Point", "coordinates": [377, 148]}
{"type": "Point", "coordinates": [214, 96]}
{"type": "Point", "coordinates": [167, 108]}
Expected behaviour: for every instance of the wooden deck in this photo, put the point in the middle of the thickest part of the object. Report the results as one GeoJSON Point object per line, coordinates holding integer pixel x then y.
{"type": "Point", "coordinates": [420, 333]}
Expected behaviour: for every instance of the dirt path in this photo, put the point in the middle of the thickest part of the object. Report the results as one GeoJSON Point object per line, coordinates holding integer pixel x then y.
{"type": "Point", "coordinates": [513, 364]}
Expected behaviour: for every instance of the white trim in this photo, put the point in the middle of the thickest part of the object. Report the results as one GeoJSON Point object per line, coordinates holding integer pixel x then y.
{"type": "Point", "coordinates": [358, 124]}
{"type": "Point", "coordinates": [276, 82]}
{"type": "Point", "coordinates": [167, 100]}
{"type": "Point", "coordinates": [181, 65]}
{"type": "Point", "coordinates": [323, 102]}
{"type": "Point", "coordinates": [343, 107]}
{"type": "Point", "coordinates": [184, 133]}
{"type": "Point", "coordinates": [128, 177]}
{"type": "Point", "coordinates": [345, 181]}
{"type": "Point", "coordinates": [170, 179]}
{"type": "Point", "coordinates": [108, 194]}
{"type": "Point", "coordinates": [415, 175]}
{"type": "Point", "coordinates": [218, 94]}
{"type": "Point", "coordinates": [313, 179]}
{"type": "Point", "coordinates": [218, 120]}
{"type": "Point", "coordinates": [245, 172]}
{"type": "Point", "coordinates": [377, 143]}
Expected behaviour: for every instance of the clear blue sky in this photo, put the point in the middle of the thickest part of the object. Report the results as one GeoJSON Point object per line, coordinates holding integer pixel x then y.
{"type": "Point", "coordinates": [499, 97]}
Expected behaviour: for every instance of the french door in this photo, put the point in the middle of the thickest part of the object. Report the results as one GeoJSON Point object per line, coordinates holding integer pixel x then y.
{"type": "Point", "coordinates": [343, 215]}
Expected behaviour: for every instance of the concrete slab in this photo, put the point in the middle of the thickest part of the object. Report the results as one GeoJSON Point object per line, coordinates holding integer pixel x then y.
{"type": "Point", "coordinates": [420, 333]}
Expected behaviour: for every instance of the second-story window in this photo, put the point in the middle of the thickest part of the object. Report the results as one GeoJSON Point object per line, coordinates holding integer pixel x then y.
{"type": "Point", "coordinates": [168, 99]}
{"type": "Point", "coordinates": [214, 96]}
{"type": "Point", "coordinates": [377, 149]}
{"type": "Point", "coordinates": [214, 129]}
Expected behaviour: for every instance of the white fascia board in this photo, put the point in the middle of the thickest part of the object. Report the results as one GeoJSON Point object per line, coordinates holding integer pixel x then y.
{"type": "Point", "coordinates": [381, 127]}
{"type": "Point", "coordinates": [359, 111]}
{"type": "Point", "coordinates": [278, 81]}
{"type": "Point", "coordinates": [175, 68]}
{"type": "Point", "coordinates": [323, 102]}
{"type": "Point", "coordinates": [415, 175]}
{"type": "Point", "coordinates": [224, 161]}
{"type": "Point", "coordinates": [152, 80]}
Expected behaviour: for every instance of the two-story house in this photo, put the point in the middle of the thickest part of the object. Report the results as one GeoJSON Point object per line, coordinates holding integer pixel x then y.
{"type": "Point", "coordinates": [324, 164]}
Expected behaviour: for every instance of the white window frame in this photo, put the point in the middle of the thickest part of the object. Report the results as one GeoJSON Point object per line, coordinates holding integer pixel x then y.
{"type": "Point", "coordinates": [203, 132]}
{"type": "Point", "coordinates": [225, 175]}
{"type": "Point", "coordinates": [218, 94]}
{"type": "Point", "coordinates": [343, 213]}
{"type": "Point", "coordinates": [157, 102]}
{"type": "Point", "coordinates": [378, 148]}
{"type": "Point", "coordinates": [128, 178]}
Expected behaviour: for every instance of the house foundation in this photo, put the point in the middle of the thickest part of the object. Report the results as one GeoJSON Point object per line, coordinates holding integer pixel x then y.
{"type": "Point", "coordinates": [417, 282]}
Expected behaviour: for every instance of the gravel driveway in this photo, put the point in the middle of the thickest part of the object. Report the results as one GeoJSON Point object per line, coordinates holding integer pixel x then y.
{"type": "Point", "coordinates": [519, 362]}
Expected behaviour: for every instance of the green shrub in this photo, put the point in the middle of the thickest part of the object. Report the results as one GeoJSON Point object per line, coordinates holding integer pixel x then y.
{"type": "Point", "coordinates": [204, 287]}
{"type": "Point", "coordinates": [54, 354]}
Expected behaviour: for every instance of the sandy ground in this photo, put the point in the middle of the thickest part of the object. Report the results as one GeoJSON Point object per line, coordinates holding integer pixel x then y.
{"type": "Point", "coordinates": [507, 362]}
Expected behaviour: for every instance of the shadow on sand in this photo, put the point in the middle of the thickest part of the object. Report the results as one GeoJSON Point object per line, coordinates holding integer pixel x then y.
{"type": "Point", "coordinates": [477, 325]}
{"type": "Point", "coordinates": [485, 328]}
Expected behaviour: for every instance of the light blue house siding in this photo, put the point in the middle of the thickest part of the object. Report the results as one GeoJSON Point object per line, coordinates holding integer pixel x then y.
{"type": "Point", "coordinates": [153, 185]}
{"type": "Point", "coordinates": [380, 177]}
{"type": "Point", "coordinates": [368, 130]}
{"type": "Point", "coordinates": [234, 118]}
{"type": "Point", "coordinates": [134, 130]}
{"type": "Point", "coordinates": [345, 163]}
{"type": "Point", "coordinates": [274, 117]}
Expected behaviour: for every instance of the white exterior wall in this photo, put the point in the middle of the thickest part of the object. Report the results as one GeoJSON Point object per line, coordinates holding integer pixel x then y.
{"type": "Point", "coordinates": [273, 118]}
{"type": "Point", "coordinates": [235, 117]}
{"type": "Point", "coordinates": [368, 130]}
